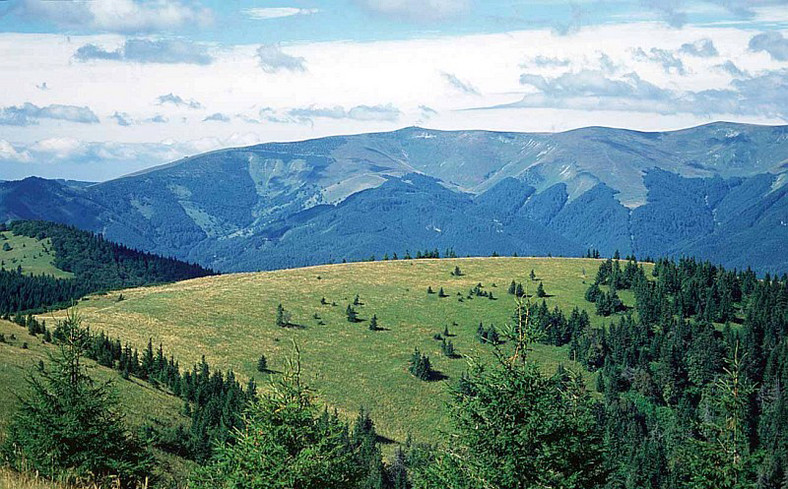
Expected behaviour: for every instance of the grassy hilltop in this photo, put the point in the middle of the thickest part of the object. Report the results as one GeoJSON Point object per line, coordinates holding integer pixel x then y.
{"type": "Point", "coordinates": [34, 255]}
{"type": "Point", "coordinates": [231, 319]}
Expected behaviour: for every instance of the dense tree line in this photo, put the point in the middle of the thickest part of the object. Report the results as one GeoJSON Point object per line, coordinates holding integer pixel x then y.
{"type": "Point", "coordinates": [213, 400]}
{"type": "Point", "coordinates": [97, 265]}
{"type": "Point", "coordinates": [693, 378]}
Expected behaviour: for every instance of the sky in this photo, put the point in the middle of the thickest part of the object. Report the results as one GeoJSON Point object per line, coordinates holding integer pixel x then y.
{"type": "Point", "coordinates": [95, 89]}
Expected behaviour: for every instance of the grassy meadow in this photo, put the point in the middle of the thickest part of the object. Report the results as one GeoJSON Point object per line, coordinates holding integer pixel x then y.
{"type": "Point", "coordinates": [33, 255]}
{"type": "Point", "coordinates": [231, 319]}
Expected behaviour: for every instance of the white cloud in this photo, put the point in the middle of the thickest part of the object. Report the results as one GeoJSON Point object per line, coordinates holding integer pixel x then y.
{"type": "Point", "coordinates": [169, 51]}
{"type": "Point", "coordinates": [125, 16]}
{"type": "Point", "coordinates": [702, 48]}
{"type": "Point", "coordinates": [29, 114]}
{"type": "Point", "coordinates": [9, 153]}
{"type": "Point", "coordinates": [272, 59]}
{"type": "Point", "coordinates": [61, 147]}
{"type": "Point", "coordinates": [417, 10]}
{"type": "Point", "coordinates": [669, 62]}
{"type": "Point", "coordinates": [122, 118]}
{"type": "Point", "coordinates": [359, 113]}
{"type": "Point", "coordinates": [773, 43]}
{"type": "Point", "coordinates": [217, 117]}
{"type": "Point", "coordinates": [353, 87]}
{"type": "Point", "coordinates": [171, 98]}
{"type": "Point", "coordinates": [265, 13]}
{"type": "Point", "coordinates": [460, 85]}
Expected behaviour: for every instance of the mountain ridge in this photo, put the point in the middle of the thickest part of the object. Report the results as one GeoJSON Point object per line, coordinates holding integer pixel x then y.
{"type": "Point", "coordinates": [269, 205]}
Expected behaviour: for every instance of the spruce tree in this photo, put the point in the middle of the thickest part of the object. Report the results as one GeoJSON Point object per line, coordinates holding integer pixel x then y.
{"type": "Point", "coordinates": [352, 315]}
{"type": "Point", "coordinates": [540, 290]}
{"type": "Point", "coordinates": [373, 323]}
{"type": "Point", "coordinates": [286, 442]}
{"type": "Point", "coordinates": [262, 364]}
{"type": "Point", "coordinates": [69, 426]}
{"type": "Point", "coordinates": [282, 316]}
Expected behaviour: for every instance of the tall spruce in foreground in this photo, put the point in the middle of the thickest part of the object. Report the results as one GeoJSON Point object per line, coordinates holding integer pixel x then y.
{"type": "Point", "coordinates": [286, 442]}
{"type": "Point", "coordinates": [69, 427]}
{"type": "Point", "coordinates": [515, 428]}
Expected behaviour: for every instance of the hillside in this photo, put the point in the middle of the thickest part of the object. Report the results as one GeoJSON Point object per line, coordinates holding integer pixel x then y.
{"type": "Point", "coordinates": [347, 364]}
{"type": "Point", "coordinates": [44, 264]}
{"type": "Point", "coordinates": [708, 191]}
{"type": "Point", "coordinates": [143, 405]}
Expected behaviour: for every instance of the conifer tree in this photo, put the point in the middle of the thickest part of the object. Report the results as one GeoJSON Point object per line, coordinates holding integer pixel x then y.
{"type": "Point", "coordinates": [420, 365]}
{"type": "Point", "coordinates": [282, 316]}
{"type": "Point", "coordinates": [262, 364]}
{"type": "Point", "coordinates": [373, 323]}
{"type": "Point", "coordinates": [540, 290]}
{"type": "Point", "coordinates": [69, 425]}
{"type": "Point", "coordinates": [286, 442]}
{"type": "Point", "coordinates": [352, 315]}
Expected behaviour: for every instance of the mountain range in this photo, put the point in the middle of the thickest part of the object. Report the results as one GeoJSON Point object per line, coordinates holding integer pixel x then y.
{"type": "Point", "coordinates": [716, 191]}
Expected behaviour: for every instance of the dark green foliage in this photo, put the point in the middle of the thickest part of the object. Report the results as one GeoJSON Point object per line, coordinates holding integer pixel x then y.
{"type": "Point", "coordinates": [514, 428]}
{"type": "Point", "coordinates": [676, 412]}
{"type": "Point", "coordinates": [97, 265]}
{"type": "Point", "coordinates": [540, 291]}
{"type": "Point", "coordinates": [609, 303]}
{"type": "Point", "coordinates": [457, 272]}
{"type": "Point", "coordinates": [420, 366]}
{"type": "Point", "coordinates": [487, 335]}
{"type": "Point", "coordinates": [71, 427]}
{"type": "Point", "coordinates": [373, 323]}
{"type": "Point", "coordinates": [429, 290]}
{"type": "Point", "coordinates": [447, 348]}
{"type": "Point", "coordinates": [6, 247]}
{"type": "Point", "coordinates": [352, 315]}
{"type": "Point", "coordinates": [214, 400]}
{"type": "Point", "coordinates": [286, 442]}
{"type": "Point", "coordinates": [283, 317]}
{"type": "Point", "coordinates": [512, 288]}
{"type": "Point", "coordinates": [262, 364]}
{"type": "Point", "coordinates": [593, 292]}
{"type": "Point", "coordinates": [441, 293]}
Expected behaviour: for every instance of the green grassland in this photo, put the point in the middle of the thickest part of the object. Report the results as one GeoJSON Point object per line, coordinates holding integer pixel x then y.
{"type": "Point", "coordinates": [142, 404]}
{"type": "Point", "coordinates": [231, 320]}
{"type": "Point", "coordinates": [33, 255]}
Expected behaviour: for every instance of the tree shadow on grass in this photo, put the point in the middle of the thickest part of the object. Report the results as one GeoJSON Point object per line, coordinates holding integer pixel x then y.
{"type": "Point", "coordinates": [437, 376]}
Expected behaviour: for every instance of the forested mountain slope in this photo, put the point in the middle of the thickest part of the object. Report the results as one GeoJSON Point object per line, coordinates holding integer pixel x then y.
{"type": "Point", "coordinates": [68, 263]}
{"type": "Point", "coordinates": [709, 191]}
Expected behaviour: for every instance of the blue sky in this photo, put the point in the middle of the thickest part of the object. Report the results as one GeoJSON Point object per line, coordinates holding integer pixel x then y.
{"type": "Point", "coordinates": [95, 89]}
